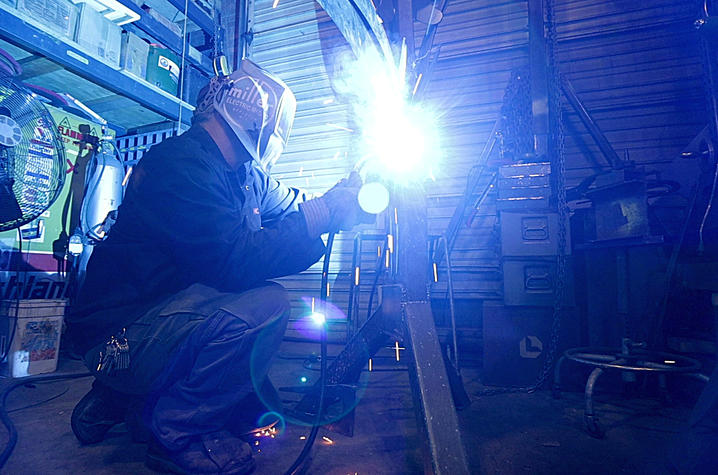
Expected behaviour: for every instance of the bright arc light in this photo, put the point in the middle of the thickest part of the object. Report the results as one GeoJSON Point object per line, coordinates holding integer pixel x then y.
{"type": "Point", "coordinates": [399, 137]}
{"type": "Point", "coordinates": [318, 318]}
{"type": "Point", "coordinates": [373, 197]}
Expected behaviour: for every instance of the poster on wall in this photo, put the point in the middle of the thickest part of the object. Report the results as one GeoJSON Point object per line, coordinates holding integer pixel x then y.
{"type": "Point", "coordinates": [43, 237]}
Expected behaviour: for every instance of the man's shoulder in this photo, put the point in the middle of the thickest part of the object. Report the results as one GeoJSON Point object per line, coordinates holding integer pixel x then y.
{"type": "Point", "coordinates": [178, 147]}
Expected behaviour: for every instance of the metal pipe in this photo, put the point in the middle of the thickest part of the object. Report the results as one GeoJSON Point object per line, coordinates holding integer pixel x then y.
{"type": "Point", "coordinates": [353, 286]}
{"type": "Point", "coordinates": [595, 374]}
{"type": "Point", "coordinates": [596, 133]}
{"type": "Point", "coordinates": [450, 284]}
{"type": "Point", "coordinates": [455, 223]}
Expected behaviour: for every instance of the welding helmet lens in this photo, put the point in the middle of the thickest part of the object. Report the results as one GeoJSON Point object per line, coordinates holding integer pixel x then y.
{"type": "Point", "coordinates": [259, 109]}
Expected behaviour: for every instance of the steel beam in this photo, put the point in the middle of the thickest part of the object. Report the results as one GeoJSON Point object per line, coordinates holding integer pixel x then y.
{"type": "Point", "coordinates": [431, 389]}
{"type": "Point", "coordinates": [539, 77]}
{"type": "Point", "coordinates": [432, 394]}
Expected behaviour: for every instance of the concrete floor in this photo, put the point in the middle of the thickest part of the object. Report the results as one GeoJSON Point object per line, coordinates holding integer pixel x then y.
{"type": "Point", "coordinates": [503, 434]}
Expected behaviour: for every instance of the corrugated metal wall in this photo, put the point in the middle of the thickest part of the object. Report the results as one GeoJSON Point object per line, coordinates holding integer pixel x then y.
{"type": "Point", "coordinates": [634, 64]}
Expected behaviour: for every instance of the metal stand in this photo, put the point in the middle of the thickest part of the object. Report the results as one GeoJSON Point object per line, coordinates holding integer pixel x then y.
{"type": "Point", "coordinates": [404, 313]}
{"type": "Point", "coordinates": [632, 358]}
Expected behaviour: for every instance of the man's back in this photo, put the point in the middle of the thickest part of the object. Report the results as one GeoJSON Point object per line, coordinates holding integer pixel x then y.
{"type": "Point", "coordinates": [187, 217]}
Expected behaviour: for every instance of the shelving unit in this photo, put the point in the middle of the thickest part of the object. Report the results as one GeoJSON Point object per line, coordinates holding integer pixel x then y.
{"type": "Point", "coordinates": [126, 101]}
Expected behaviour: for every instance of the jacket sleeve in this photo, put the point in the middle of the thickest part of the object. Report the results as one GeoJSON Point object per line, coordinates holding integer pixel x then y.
{"type": "Point", "coordinates": [208, 236]}
{"type": "Point", "coordinates": [277, 200]}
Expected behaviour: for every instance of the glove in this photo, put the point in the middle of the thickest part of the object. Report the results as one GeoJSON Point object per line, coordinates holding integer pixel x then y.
{"type": "Point", "coordinates": [337, 209]}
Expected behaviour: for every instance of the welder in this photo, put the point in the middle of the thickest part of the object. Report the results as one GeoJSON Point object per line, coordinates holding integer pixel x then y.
{"type": "Point", "coordinates": [176, 317]}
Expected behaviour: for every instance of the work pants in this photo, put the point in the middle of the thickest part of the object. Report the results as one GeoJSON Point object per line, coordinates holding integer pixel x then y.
{"type": "Point", "coordinates": [197, 355]}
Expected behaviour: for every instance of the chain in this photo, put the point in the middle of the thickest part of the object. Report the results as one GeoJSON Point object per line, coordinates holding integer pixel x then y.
{"type": "Point", "coordinates": [558, 171]}
{"type": "Point", "coordinates": [516, 117]}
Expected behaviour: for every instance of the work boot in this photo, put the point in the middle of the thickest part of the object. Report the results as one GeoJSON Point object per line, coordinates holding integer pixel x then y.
{"type": "Point", "coordinates": [97, 412]}
{"type": "Point", "coordinates": [216, 453]}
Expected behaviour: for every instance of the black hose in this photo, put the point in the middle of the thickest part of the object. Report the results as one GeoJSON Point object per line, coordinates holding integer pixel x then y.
{"type": "Point", "coordinates": [299, 462]}
{"type": "Point", "coordinates": [5, 417]}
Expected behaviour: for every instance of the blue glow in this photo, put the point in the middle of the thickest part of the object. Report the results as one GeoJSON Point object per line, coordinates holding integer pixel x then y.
{"type": "Point", "coordinates": [373, 197]}
{"type": "Point", "coordinates": [399, 137]}
{"type": "Point", "coordinates": [318, 318]}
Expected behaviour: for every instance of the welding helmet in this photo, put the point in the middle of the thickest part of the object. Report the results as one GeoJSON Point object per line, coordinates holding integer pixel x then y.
{"type": "Point", "coordinates": [259, 108]}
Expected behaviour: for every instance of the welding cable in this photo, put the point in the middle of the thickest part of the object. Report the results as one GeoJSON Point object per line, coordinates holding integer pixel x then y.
{"type": "Point", "coordinates": [377, 275]}
{"type": "Point", "coordinates": [5, 417]}
{"type": "Point", "coordinates": [299, 462]}
{"type": "Point", "coordinates": [9, 63]}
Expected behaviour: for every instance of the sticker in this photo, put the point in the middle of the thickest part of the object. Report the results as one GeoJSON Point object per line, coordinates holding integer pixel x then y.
{"type": "Point", "coordinates": [169, 65]}
{"type": "Point", "coordinates": [530, 347]}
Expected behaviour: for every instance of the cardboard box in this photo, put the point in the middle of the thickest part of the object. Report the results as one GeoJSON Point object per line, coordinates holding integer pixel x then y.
{"type": "Point", "coordinates": [134, 54]}
{"type": "Point", "coordinates": [99, 36]}
{"type": "Point", "coordinates": [60, 16]}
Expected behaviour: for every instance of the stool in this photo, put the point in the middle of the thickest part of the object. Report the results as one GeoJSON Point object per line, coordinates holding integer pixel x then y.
{"type": "Point", "coordinates": [633, 357]}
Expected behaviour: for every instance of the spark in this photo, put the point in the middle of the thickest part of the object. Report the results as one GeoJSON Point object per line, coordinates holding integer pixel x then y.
{"type": "Point", "coordinates": [339, 127]}
{"type": "Point", "coordinates": [127, 176]}
{"type": "Point", "coordinates": [396, 348]}
{"type": "Point", "coordinates": [327, 440]}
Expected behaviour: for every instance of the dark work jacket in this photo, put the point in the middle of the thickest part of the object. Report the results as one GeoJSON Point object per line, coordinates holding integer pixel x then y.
{"type": "Point", "coordinates": [188, 217]}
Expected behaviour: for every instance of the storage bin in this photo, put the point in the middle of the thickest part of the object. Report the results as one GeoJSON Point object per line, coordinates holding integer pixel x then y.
{"type": "Point", "coordinates": [98, 35]}
{"type": "Point", "coordinates": [163, 69]}
{"type": "Point", "coordinates": [33, 329]}
{"type": "Point", "coordinates": [60, 16]}
{"type": "Point", "coordinates": [135, 51]}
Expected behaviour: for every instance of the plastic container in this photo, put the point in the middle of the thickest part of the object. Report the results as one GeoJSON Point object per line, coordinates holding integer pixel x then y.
{"type": "Point", "coordinates": [163, 69]}
{"type": "Point", "coordinates": [99, 36]}
{"type": "Point", "coordinates": [134, 54]}
{"type": "Point", "coordinates": [59, 16]}
{"type": "Point", "coordinates": [33, 328]}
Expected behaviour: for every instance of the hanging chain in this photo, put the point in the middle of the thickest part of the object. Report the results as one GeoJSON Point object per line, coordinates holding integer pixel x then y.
{"type": "Point", "coordinates": [517, 117]}
{"type": "Point", "coordinates": [558, 171]}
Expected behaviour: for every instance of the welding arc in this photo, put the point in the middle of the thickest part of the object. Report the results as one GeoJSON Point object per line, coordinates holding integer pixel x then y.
{"type": "Point", "coordinates": [5, 418]}
{"type": "Point", "coordinates": [299, 462]}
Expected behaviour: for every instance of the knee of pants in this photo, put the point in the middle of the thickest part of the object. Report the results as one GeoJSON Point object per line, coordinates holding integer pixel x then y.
{"type": "Point", "coordinates": [272, 302]}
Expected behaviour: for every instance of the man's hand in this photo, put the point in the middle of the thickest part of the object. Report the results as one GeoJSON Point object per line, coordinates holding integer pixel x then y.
{"type": "Point", "coordinates": [338, 209]}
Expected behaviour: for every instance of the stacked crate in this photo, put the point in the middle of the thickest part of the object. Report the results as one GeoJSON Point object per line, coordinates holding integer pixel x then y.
{"type": "Point", "coordinates": [529, 234]}
{"type": "Point", "coordinates": [517, 331]}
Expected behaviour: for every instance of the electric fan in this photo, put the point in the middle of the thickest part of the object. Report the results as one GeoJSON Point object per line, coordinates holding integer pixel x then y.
{"type": "Point", "coordinates": [32, 156]}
